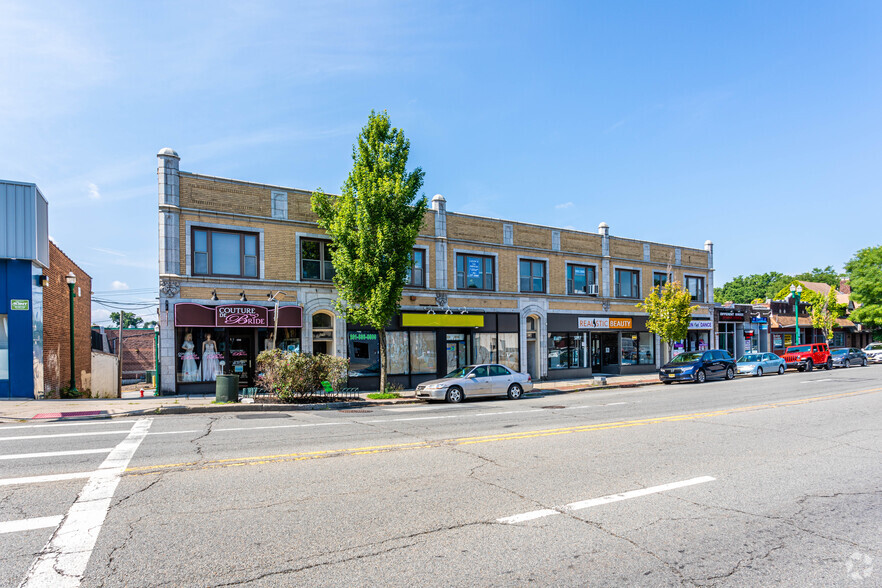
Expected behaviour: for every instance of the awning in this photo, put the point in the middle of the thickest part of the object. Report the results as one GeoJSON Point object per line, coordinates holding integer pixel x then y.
{"type": "Point", "coordinates": [188, 314]}
{"type": "Point", "coordinates": [414, 319]}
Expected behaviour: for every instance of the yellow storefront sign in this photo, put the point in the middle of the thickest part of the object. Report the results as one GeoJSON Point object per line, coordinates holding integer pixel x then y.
{"type": "Point", "coordinates": [412, 319]}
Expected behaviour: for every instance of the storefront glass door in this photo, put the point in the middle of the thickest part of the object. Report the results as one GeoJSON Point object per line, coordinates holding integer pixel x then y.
{"type": "Point", "coordinates": [241, 358]}
{"type": "Point", "coordinates": [457, 352]}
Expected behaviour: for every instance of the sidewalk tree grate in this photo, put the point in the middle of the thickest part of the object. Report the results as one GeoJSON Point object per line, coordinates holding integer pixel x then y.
{"type": "Point", "coordinates": [357, 410]}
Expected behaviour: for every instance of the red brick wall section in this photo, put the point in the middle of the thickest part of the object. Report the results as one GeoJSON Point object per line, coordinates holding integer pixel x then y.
{"type": "Point", "coordinates": [56, 323]}
{"type": "Point", "coordinates": [137, 348]}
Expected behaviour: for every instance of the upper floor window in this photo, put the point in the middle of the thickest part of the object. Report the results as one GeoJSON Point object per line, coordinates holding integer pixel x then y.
{"type": "Point", "coordinates": [695, 287]}
{"type": "Point", "coordinates": [659, 279]}
{"type": "Point", "coordinates": [224, 253]}
{"type": "Point", "coordinates": [627, 283]}
{"type": "Point", "coordinates": [532, 275]}
{"type": "Point", "coordinates": [315, 260]}
{"type": "Point", "coordinates": [474, 272]}
{"type": "Point", "coordinates": [581, 279]}
{"type": "Point", "coordinates": [416, 272]}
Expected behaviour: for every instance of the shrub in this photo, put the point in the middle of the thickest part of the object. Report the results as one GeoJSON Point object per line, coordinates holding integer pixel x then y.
{"type": "Point", "coordinates": [297, 375]}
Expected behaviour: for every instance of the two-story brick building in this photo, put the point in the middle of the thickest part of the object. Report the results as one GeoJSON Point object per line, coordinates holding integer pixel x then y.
{"type": "Point", "coordinates": [557, 303]}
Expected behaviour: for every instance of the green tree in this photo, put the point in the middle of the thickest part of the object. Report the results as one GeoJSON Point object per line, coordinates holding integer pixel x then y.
{"type": "Point", "coordinates": [670, 310]}
{"type": "Point", "coordinates": [374, 224]}
{"type": "Point", "coordinates": [823, 309]}
{"type": "Point", "coordinates": [746, 289]}
{"type": "Point", "coordinates": [864, 272]}
{"type": "Point", "coordinates": [825, 275]}
{"type": "Point", "coordinates": [149, 324]}
{"type": "Point", "coordinates": [130, 321]}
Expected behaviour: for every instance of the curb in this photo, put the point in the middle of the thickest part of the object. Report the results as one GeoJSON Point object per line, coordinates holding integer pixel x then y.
{"type": "Point", "coordinates": [172, 409]}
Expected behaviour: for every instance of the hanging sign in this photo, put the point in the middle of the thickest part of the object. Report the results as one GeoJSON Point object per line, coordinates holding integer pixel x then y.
{"type": "Point", "coordinates": [604, 323]}
{"type": "Point", "coordinates": [19, 304]}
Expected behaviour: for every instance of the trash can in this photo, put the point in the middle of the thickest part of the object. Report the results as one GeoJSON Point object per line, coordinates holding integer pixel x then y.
{"type": "Point", "coordinates": [227, 388]}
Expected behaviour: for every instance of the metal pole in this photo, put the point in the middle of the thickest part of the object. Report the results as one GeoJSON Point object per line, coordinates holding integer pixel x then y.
{"type": "Point", "coordinates": [119, 350]}
{"type": "Point", "coordinates": [276, 326]}
{"type": "Point", "coordinates": [797, 295]}
{"type": "Point", "coordinates": [73, 370]}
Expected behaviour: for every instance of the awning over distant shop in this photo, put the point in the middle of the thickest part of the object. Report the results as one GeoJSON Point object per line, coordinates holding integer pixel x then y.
{"type": "Point", "coordinates": [414, 319]}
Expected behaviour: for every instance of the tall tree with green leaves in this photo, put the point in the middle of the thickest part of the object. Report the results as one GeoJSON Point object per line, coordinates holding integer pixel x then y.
{"type": "Point", "coordinates": [374, 224]}
{"type": "Point", "coordinates": [670, 309]}
{"type": "Point", "coordinates": [823, 309]}
{"type": "Point", "coordinates": [825, 275]}
{"type": "Point", "coordinates": [864, 272]}
{"type": "Point", "coordinates": [130, 321]}
{"type": "Point", "coordinates": [746, 289]}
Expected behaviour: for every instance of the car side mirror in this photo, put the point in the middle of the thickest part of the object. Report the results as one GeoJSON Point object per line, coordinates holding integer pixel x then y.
{"type": "Point", "coordinates": [472, 375]}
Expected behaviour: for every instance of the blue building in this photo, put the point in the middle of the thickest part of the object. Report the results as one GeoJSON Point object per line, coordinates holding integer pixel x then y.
{"type": "Point", "coordinates": [24, 257]}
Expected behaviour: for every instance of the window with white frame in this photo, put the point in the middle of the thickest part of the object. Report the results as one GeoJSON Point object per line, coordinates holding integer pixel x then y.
{"type": "Point", "coordinates": [581, 279]}
{"type": "Point", "coordinates": [224, 253]}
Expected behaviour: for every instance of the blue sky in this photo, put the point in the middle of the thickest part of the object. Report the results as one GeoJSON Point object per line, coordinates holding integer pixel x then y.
{"type": "Point", "coordinates": [754, 124]}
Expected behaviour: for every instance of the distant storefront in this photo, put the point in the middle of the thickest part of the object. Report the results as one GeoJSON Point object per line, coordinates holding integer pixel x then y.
{"type": "Point", "coordinates": [579, 346]}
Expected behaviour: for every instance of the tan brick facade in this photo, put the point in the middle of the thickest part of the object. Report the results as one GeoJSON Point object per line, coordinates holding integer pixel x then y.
{"type": "Point", "coordinates": [56, 324]}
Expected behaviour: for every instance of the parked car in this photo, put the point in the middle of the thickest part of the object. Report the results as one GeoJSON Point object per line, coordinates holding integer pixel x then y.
{"type": "Point", "coordinates": [874, 352]}
{"type": "Point", "coordinates": [806, 357]}
{"type": "Point", "coordinates": [698, 366]}
{"type": "Point", "coordinates": [848, 356]}
{"type": "Point", "coordinates": [757, 364]}
{"type": "Point", "coordinates": [477, 380]}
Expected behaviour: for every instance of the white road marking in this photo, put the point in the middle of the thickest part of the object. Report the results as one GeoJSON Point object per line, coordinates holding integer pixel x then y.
{"type": "Point", "coordinates": [29, 524]}
{"type": "Point", "coordinates": [614, 403]}
{"type": "Point", "coordinates": [176, 432]}
{"type": "Point", "coordinates": [452, 416]}
{"type": "Point", "coordinates": [57, 435]}
{"type": "Point", "coordinates": [279, 427]}
{"type": "Point", "coordinates": [46, 478]}
{"type": "Point", "coordinates": [820, 380]}
{"type": "Point", "coordinates": [76, 424]}
{"type": "Point", "coordinates": [64, 558]}
{"type": "Point", "coordinates": [55, 453]}
{"type": "Point", "coordinates": [527, 516]}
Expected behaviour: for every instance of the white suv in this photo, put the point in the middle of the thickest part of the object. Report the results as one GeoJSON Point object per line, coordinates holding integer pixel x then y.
{"type": "Point", "coordinates": [874, 352]}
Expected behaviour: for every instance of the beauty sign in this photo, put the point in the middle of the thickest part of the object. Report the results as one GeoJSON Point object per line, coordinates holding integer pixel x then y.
{"type": "Point", "coordinates": [241, 315]}
{"type": "Point", "coordinates": [604, 323]}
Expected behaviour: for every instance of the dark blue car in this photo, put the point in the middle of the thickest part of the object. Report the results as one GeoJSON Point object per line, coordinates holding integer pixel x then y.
{"type": "Point", "coordinates": [698, 366]}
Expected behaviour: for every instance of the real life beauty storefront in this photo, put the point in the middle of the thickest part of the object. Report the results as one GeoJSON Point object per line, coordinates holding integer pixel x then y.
{"type": "Point", "coordinates": [226, 339]}
{"type": "Point", "coordinates": [580, 346]}
{"type": "Point", "coordinates": [424, 346]}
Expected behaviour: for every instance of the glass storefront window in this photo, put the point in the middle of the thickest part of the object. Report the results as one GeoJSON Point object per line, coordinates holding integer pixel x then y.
{"type": "Point", "coordinates": [485, 347]}
{"type": "Point", "coordinates": [726, 338]}
{"type": "Point", "coordinates": [4, 347]}
{"type": "Point", "coordinates": [638, 349]}
{"type": "Point", "coordinates": [200, 356]}
{"type": "Point", "coordinates": [397, 352]}
{"type": "Point", "coordinates": [364, 353]}
{"type": "Point", "coordinates": [422, 352]}
{"type": "Point", "coordinates": [509, 354]}
{"type": "Point", "coordinates": [567, 350]}
{"type": "Point", "coordinates": [322, 333]}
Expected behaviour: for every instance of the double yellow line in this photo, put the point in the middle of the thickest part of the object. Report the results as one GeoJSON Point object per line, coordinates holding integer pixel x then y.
{"type": "Point", "coordinates": [368, 450]}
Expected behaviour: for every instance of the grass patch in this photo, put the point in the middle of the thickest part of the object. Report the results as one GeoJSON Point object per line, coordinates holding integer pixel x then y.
{"type": "Point", "coordinates": [383, 395]}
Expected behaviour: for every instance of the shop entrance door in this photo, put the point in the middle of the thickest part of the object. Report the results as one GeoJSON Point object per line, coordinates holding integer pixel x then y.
{"type": "Point", "coordinates": [609, 352]}
{"type": "Point", "coordinates": [596, 347]}
{"type": "Point", "coordinates": [457, 352]}
{"type": "Point", "coordinates": [241, 357]}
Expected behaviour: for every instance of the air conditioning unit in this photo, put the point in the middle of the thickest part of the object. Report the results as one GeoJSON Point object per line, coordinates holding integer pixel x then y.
{"type": "Point", "coordinates": [591, 289]}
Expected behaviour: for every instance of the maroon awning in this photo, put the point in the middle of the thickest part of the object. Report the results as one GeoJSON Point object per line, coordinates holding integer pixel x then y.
{"type": "Point", "coordinates": [188, 314]}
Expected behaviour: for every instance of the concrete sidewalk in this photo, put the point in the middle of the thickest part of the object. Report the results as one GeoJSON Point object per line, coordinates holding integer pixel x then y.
{"type": "Point", "coordinates": [132, 404]}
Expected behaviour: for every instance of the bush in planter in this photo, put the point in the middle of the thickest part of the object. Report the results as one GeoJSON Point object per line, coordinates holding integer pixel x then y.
{"type": "Point", "coordinates": [297, 375]}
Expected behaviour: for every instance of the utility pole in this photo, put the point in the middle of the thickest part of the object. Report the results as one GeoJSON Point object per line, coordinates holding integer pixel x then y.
{"type": "Point", "coordinates": [119, 351]}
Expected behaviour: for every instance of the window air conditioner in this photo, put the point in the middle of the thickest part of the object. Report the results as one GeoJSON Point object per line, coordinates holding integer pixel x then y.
{"type": "Point", "coordinates": [591, 289]}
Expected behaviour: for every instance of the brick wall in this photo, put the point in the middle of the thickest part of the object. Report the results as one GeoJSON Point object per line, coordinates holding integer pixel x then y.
{"type": "Point", "coordinates": [137, 351]}
{"type": "Point", "coordinates": [56, 323]}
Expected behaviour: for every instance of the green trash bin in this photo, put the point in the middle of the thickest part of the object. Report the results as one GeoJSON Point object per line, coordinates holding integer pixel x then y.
{"type": "Point", "coordinates": [227, 388]}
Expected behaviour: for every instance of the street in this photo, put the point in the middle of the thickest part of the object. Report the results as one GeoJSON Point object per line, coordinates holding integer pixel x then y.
{"type": "Point", "coordinates": [761, 481]}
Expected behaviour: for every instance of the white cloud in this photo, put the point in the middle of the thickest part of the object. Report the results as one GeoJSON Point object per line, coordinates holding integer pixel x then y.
{"type": "Point", "coordinates": [94, 194]}
{"type": "Point", "coordinates": [564, 205]}
{"type": "Point", "coordinates": [117, 285]}
{"type": "Point", "coordinates": [51, 238]}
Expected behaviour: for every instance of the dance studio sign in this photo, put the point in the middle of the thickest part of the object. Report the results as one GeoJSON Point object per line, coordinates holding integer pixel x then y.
{"type": "Point", "coordinates": [240, 315]}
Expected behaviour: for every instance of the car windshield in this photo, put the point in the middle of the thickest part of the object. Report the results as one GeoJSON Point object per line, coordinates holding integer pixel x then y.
{"type": "Point", "coordinates": [687, 358]}
{"type": "Point", "coordinates": [874, 347]}
{"type": "Point", "coordinates": [839, 351]}
{"type": "Point", "coordinates": [800, 349]}
{"type": "Point", "coordinates": [461, 372]}
{"type": "Point", "coordinates": [751, 357]}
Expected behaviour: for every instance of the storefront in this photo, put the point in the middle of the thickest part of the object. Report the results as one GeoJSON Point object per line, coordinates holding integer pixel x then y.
{"type": "Point", "coordinates": [579, 346]}
{"type": "Point", "coordinates": [425, 346]}
{"type": "Point", "coordinates": [226, 339]}
{"type": "Point", "coordinates": [734, 331]}
{"type": "Point", "coordinates": [697, 336]}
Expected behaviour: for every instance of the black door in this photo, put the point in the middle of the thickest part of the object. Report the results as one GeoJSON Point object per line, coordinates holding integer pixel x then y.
{"type": "Point", "coordinates": [241, 357]}
{"type": "Point", "coordinates": [609, 353]}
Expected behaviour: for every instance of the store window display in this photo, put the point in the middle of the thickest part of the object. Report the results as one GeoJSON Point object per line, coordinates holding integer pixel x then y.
{"type": "Point", "coordinates": [638, 349]}
{"type": "Point", "coordinates": [210, 359]}
{"type": "Point", "coordinates": [201, 355]}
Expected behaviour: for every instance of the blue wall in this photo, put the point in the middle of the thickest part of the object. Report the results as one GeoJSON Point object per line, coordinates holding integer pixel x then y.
{"type": "Point", "coordinates": [17, 282]}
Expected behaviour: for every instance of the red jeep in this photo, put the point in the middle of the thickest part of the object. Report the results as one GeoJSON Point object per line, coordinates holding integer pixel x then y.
{"type": "Point", "coordinates": [806, 357]}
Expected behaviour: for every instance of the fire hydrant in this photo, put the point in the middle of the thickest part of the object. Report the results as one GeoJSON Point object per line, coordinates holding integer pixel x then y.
{"type": "Point", "coordinates": [142, 392]}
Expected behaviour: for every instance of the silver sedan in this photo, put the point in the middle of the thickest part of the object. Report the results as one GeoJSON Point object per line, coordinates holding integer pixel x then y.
{"type": "Point", "coordinates": [756, 364]}
{"type": "Point", "coordinates": [476, 380]}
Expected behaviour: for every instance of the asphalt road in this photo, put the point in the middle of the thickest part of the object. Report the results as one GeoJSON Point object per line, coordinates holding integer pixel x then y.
{"type": "Point", "coordinates": [763, 481]}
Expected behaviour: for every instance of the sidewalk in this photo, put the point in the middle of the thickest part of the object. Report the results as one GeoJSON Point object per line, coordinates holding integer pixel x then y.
{"type": "Point", "coordinates": [133, 405]}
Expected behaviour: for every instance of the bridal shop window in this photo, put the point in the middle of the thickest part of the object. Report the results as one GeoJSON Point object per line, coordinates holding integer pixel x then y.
{"type": "Point", "coordinates": [200, 356]}
{"type": "Point", "coordinates": [224, 253]}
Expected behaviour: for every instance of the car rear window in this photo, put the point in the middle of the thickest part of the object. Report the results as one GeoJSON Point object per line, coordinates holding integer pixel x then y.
{"type": "Point", "coordinates": [498, 370]}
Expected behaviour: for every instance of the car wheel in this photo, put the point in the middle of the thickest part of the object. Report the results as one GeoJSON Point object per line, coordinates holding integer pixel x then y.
{"type": "Point", "coordinates": [667, 382]}
{"type": "Point", "coordinates": [759, 372]}
{"type": "Point", "coordinates": [829, 365]}
{"type": "Point", "coordinates": [730, 373]}
{"type": "Point", "coordinates": [864, 362]}
{"type": "Point", "coordinates": [515, 391]}
{"type": "Point", "coordinates": [780, 370]}
{"type": "Point", "coordinates": [700, 376]}
{"type": "Point", "coordinates": [454, 395]}
{"type": "Point", "coordinates": [847, 364]}
{"type": "Point", "coordinates": [809, 366]}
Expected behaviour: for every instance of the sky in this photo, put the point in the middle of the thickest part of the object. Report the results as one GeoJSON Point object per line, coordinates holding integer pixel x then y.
{"type": "Point", "coordinates": [756, 125]}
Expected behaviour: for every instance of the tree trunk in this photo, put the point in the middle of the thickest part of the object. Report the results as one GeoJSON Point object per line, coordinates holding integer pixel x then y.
{"type": "Point", "coordinates": [381, 336]}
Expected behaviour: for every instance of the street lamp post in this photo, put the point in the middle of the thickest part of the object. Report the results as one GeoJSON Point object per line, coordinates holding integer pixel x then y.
{"type": "Point", "coordinates": [275, 298]}
{"type": "Point", "coordinates": [156, 359]}
{"type": "Point", "coordinates": [796, 292]}
{"type": "Point", "coordinates": [71, 280]}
